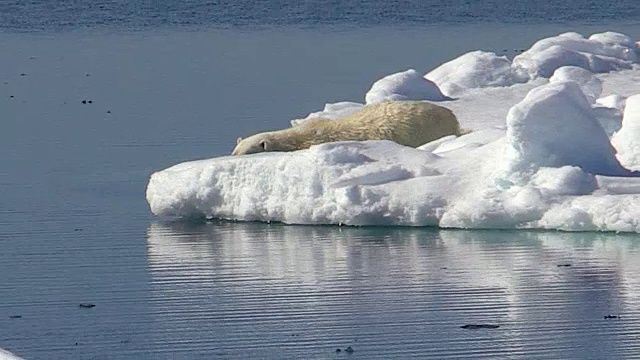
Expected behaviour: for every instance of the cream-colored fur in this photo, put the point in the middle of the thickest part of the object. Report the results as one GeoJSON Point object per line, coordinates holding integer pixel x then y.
{"type": "Point", "coordinates": [410, 123]}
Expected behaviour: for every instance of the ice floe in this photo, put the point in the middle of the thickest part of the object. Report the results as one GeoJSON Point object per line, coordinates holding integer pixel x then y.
{"type": "Point", "coordinates": [554, 144]}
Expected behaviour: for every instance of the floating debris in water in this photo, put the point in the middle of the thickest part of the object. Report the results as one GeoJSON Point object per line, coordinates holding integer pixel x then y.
{"type": "Point", "coordinates": [479, 326]}
{"type": "Point", "coordinates": [564, 265]}
{"type": "Point", "coordinates": [606, 317]}
{"type": "Point", "coordinates": [15, 316]}
{"type": "Point", "coordinates": [87, 306]}
{"type": "Point", "coordinates": [347, 350]}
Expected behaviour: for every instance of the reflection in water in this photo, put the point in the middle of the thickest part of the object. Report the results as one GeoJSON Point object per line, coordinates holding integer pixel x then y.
{"type": "Point", "coordinates": [236, 290]}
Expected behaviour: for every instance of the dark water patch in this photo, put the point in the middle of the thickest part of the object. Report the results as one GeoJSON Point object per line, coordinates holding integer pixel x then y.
{"type": "Point", "coordinates": [58, 15]}
{"type": "Point", "coordinates": [479, 326]}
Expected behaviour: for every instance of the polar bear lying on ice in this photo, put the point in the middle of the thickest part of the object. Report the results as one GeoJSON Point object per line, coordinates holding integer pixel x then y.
{"type": "Point", "coordinates": [409, 123]}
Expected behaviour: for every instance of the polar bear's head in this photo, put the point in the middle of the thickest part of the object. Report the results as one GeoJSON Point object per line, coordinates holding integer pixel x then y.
{"type": "Point", "coordinates": [255, 144]}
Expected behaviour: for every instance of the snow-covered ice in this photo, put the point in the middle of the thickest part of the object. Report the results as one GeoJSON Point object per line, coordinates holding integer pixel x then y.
{"type": "Point", "coordinates": [6, 355]}
{"type": "Point", "coordinates": [554, 144]}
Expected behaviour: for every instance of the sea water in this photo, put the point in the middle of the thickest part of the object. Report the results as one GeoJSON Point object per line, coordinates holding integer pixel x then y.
{"type": "Point", "coordinates": [94, 96]}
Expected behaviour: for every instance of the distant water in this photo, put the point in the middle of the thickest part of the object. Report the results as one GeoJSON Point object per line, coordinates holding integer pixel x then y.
{"type": "Point", "coordinates": [94, 96]}
{"type": "Point", "coordinates": [56, 15]}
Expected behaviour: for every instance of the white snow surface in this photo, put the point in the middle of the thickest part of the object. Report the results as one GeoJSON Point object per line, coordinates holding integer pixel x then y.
{"type": "Point", "coordinates": [560, 153]}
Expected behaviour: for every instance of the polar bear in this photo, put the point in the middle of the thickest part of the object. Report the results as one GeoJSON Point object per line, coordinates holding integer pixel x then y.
{"type": "Point", "coordinates": [409, 123]}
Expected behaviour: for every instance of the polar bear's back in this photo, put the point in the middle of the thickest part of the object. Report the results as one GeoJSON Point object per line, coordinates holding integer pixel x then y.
{"type": "Point", "coordinates": [410, 123]}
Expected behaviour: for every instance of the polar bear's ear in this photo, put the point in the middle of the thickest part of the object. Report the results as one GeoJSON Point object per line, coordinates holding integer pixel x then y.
{"type": "Point", "coordinates": [263, 144]}
{"type": "Point", "coordinates": [238, 141]}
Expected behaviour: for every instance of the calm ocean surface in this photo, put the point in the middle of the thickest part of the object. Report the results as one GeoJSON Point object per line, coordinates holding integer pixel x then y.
{"type": "Point", "coordinates": [170, 81]}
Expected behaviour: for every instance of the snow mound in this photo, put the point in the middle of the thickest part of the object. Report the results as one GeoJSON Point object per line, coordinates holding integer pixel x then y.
{"type": "Point", "coordinates": [627, 140]}
{"type": "Point", "coordinates": [590, 85]}
{"type": "Point", "coordinates": [600, 53]}
{"type": "Point", "coordinates": [406, 85]}
{"type": "Point", "coordinates": [474, 70]}
{"type": "Point", "coordinates": [555, 126]}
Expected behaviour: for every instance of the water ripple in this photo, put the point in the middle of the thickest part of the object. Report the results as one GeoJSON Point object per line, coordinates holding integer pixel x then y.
{"type": "Point", "coordinates": [302, 292]}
